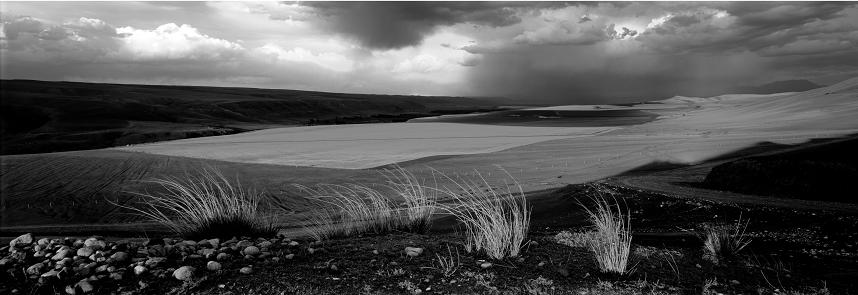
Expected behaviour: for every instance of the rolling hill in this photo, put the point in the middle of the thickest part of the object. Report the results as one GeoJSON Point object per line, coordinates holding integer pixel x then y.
{"type": "Point", "coordinates": [41, 116]}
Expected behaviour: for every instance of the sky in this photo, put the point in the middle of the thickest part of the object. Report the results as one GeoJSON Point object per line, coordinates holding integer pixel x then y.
{"type": "Point", "coordinates": [565, 53]}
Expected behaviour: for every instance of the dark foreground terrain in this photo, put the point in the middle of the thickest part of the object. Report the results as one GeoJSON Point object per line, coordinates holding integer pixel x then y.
{"type": "Point", "coordinates": [41, 116]}
{"type": "Point", "coordinates": [792, 252]}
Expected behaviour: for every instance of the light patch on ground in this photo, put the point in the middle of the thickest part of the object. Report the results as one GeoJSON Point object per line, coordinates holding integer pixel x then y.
{"type": "Point", "coordinates": [361, 146]}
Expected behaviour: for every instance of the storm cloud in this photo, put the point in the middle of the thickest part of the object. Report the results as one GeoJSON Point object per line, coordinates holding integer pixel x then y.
{"type": "Point", "coordinates": [552, 52]}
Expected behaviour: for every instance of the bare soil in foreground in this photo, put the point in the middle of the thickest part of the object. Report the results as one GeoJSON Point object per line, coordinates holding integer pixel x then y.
{"type": "Point", "coordinates": [811, 251]}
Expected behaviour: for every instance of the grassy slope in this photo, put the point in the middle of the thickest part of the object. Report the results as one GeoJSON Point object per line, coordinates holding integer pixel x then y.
{"type": "Point", "coordinates": [40, 116]}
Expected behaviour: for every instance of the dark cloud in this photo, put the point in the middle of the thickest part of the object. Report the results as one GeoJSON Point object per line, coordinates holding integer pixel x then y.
{"type": "Point", "coordinates": [388, 25]}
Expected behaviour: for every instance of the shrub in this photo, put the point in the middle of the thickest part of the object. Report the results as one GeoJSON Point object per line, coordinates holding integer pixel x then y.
{"type": "Point", "coordinates": [496, 222]}
{"type": "Point", "coordinates": [204, 206]}
{"type": "Point", "coordinates": [725, 241]}
{"type": "Point", "coordinates": [613, 240]}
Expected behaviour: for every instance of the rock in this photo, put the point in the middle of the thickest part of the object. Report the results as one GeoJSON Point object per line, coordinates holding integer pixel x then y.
{"type": "Point", "coordinates": [184, 273]}
{"type": "Point", "coordinates": [375, 252]}
{"type": "Point", "coordinates": [95, 243]}
{"type": "Point", "coordinates": [563, 271]}
{"type": "Point", "coordinates": [62, 253]}
{"type": "Point", "coordinates": [119, 256]}
{"type": "Point", "coordinates": [84, 287]}
{"type": "Point", "coordinates": [213, 266]}
{"type": "Point", "coordinates": [485, 265]}
{"type": "Point", "coordinates": [413, 251]}
{"type": "Point", "coordinates": [222, 257]}
{"type": "Point", "coordinates": [50, 274]}
{"type": "Point", "coordinates": [85, 252]}
{"type": "Point", "coordinates": [244, 243]}
{"type": "Point", "coordinates": [157, 251]}
{"type": "Point", "coordinates": [154, 261]}
{"type": "Point", "coordinates": [289, 256]}
{"type": "Point", "coordinates": [116, 276]}
{"type": "Point", "coordinates": [35, 269]}
{"type": "Point", "coordinates": [21, 241]}
{"type": "Point", "coordinates": [139, 270]}
{"type": "Point", "coordinates": [207, 253]}
{"type": "Point", "coordinates": [311, 250]}
{"type": "Point", "coordinates": [734, 282]}
{"type": "Point", "coordinates": [265, 244]}
{"type": "Point", "coordinates": [293, 243]}
{"type": "Point", "coordinates": [190, 243]}
{"type": "Point", "coordinates": [215, 242]}
{"type": "Point", "coordinates": [251, 250]}
{"type": "Point", "coordinates": [44, 242]}
{"type": "Point", "coordinates": [246, 270]}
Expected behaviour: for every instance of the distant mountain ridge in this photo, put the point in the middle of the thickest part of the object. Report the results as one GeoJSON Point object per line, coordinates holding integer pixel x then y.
{"type": "Point", "coordinates": [777, 87]}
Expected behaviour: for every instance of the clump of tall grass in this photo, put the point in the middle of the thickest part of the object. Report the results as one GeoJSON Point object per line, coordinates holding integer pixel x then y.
{"type": "Point", "coordinates": [344, 210]}
{"type": "Point", "coordinates": [494, 221]}
{"type": "Point", "coordinates": [613, 238]}
{"type": "Point", "coordinates": [205, 206]}
{"type": "Point", "coordinates": [725, 241]}
{"type": "Point", "coordinates": [419, 200]}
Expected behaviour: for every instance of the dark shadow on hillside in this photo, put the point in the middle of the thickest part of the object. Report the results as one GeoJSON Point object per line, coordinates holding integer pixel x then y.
{"type": "Point", "coordinates": [819, 169]}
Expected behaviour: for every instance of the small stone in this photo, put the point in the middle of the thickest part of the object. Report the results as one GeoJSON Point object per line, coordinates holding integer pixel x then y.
{"type": "Point", "coordinates": [246, 270]}
{"type": "Point", "coordinates": [95, 243]}
{"type": "Point", "coordinates": [413, 251]}
{"type": "Point", "coordinates": [35, 269]}
{"type": "Point", "coordinates": [311, 250]}
{"type": "Point", "coordinates": [213, 266]}
{"type": "Point", "coordinates": [251, 250]}
{"type": "Point", "coordinates": [289, 256]}
{"type": "Point", "coordinates": [244, 243]}
{"type": "Point", "coordinates": [61, 254]}
{"type": "Point", "coordinates": [139, 270]}
{"type": "Point", "coordinates": [293, 243]}
{"type": "Point", "coordinates": [84, 287]}
{"type": "Point", "coordinates": [214, 242]}
{"type": "Point", "coordinates": [265, 244]}
{"type": "Point", "coordinates": [485, 265]}
{"type": "Point", "coordinates": [154, 261]}
{"type": "Point", "coordinates": [85, 252]}
{"type": "Point", "coordinates": [116, 276]}
{"type": "Point", "coordinates": [119, 256]}
{"type": "Point", "coordinates": [50, 274]}
{"type": "Point", "coordinates": [375, 252]}
{"type": "Point", "coordinates": [184, 273]}
{"type": "Point", "coordinates": [563, 271]}
{"type": "Point", "coordinates": [734, 282]}
{"type": "Point", "coordinates": [43, 242]}
{"type": "Point", "coordinates": [222, 257]}
{"type": "Point", "coordinates": [22, 240]}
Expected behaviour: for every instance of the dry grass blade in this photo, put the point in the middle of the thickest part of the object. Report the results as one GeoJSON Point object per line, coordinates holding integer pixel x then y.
{"type": "Point", "coordinates": [205, 206]}
{"type": "Point", "coordinates": [449, 264]}
{"type": "Point", "coordinates": [613, 236]}
{"type": "Point", "coordinates": [495, 222]}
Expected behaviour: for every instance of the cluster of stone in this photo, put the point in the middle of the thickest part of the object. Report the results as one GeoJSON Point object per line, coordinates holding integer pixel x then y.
{"type": "Point", "coordinates": [80, 266]}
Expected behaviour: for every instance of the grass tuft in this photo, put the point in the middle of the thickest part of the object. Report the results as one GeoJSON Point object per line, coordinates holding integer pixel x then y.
{"type": "Point", "coordinates": [419, 200]}
{"type": "Point", "coordinates": [725, 241]}
{"type": "Point", "coordinates": [345, 210]}
{"type": "Point", "coordinates": [494, 221]}
{"type": "Point", "coordinates": [613, 240]}
{"type": "Point", "coordinates": [205, 206]}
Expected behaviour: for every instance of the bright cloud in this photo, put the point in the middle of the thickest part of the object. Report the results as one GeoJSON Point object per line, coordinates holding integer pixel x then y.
{"type": "Point", "coordinates": [171, 41]}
